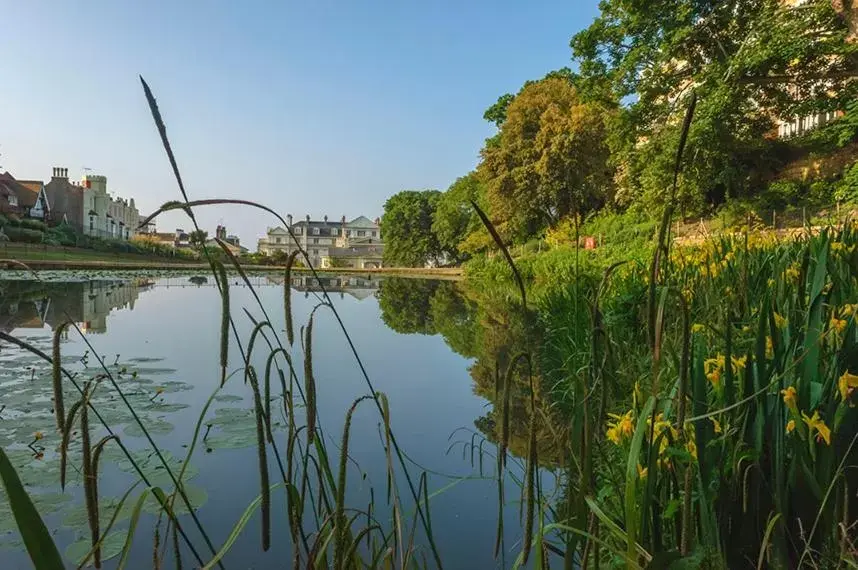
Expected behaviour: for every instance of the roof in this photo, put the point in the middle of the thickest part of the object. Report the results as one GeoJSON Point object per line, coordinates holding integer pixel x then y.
{"type": "Point", "coordinates": [317, 224]}
{"type": "Point", "coordinates": [362, 222]}
{"type": "Point", "coordinates": [372, 251]}
{"type": "Point", "coordinates": [26, 196]}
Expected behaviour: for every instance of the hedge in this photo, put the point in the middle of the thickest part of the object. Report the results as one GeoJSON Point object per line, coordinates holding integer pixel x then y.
{"type": "Point", "coordinates": [23, 235]}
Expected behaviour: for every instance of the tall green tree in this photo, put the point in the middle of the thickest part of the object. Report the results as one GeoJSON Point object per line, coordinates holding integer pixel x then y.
{"type": "Point", "coordinates": [407, 224]}
{"type": "Point", "coordinates": [749, 61]}
{"type": "Point", "coordinates": [455, 218]}
{"type": "Point", "coordinates": [549, 161]}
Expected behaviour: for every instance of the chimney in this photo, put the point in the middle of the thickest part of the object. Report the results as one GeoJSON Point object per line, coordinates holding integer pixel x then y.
{"type": "Point", "coordinates": [289, 220]}
{"type": "Point", "coordinates": [60, 172]}
{"type": "Point", "coordinates": [344, 220]}
{"type": "Point", "coordinates": [308, 218]}
{"type": "Point", "coordinates": [377, 221]}
{"type": "Point", "coordinates": [325, 217]}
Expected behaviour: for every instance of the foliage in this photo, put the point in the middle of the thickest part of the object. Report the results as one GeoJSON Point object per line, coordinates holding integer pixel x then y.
{"type": "Point", "coordinates": [405, 304]}
{"type": "Point", "coordinates": [454, 219]}
{"type": "Point", "coordinates": [408, 237]}
{"type": "Point", "coordinates": [197, 238]}
{"type": "Point", "coordinates": [550, 160]}
{"type": "Point", "coordinates": [24, 235]}
{"type": "Point", "coordinates": [33, 224]}
{"type": "Point", "coordinates": [739, 57]}
{"type": "Point", "coordinates": [847, 189]}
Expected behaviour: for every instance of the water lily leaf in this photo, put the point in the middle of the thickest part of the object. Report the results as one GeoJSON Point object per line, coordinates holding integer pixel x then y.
{"type": "Point", "coordinates": [111, 546]}
{"type": "Point", "coordinates": [196, 495]}
{"type": "Point", "coordinates": [153, 426]}
{"type": "Point", "coordinates": [228, 398]}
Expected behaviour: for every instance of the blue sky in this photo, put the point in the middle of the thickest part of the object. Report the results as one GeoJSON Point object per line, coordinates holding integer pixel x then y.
{"type": "Point", "coordinates": [312, 107]}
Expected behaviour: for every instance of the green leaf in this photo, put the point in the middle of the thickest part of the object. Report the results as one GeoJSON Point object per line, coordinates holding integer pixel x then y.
{"type": "Point", "coordinates": [41, 548]}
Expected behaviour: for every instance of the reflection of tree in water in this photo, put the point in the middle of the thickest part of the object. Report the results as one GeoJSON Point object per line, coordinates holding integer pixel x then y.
{"type": "Point", "coordinates": [489, 330]}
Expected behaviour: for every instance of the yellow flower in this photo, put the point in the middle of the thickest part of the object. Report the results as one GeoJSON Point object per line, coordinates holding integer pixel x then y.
{"type": "Point", "coordinates": [697, 327]}
{"type": "Point", "coordinates": [739, 363]}
{"type": "Point", "coordinates": [815, 423]}
{"type": "Point", "coordinates": [746, 329]}
{"type": "Point", "coordinates": [771, 283]}
{"type": "Point", "coordinates": [717, 425]}
{"type": "Point", "coordinates": [780, 321]}
{"type": "Point", "coordinates": [790, 395]}
{"type": "Point", "coordinates": [846, 384]}
{"type": "Point", "coordinates": [38, 435]}
{"type": "Point", "coordinates": [837, 324]}
{"type": "Point", "coordinates": [790, 426]}
{"type": "Point", "coordinates": [621, 428]}
{"type": "Point", "coordinates": [848, 310]}
{"type": "Point", "coordinates": [770, 348]}
{"type": "Point", "coordinates": [837, 246]}
{"type": "Point", "coordinates": [792, 273]}
{"type": "Point", "coordinates": [642, 471]}
{"type": "Point", "coordinates": [713, 368]}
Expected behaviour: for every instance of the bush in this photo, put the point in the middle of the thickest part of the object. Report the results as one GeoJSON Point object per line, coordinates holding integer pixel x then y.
{"type": "Point", "coordinates": [847, 189]}
{"type": "Point", "coordinates": [3, 220]}
{"type": "Point", "coordinates": [33, 224]}
{"type": "Point", "coordinates": [23, 235]}
{"type": "Point", "coordinates": [61, 235]}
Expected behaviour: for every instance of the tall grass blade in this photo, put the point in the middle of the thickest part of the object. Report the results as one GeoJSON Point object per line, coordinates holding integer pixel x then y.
{"type": "Point", "coordinates": [309, 381]}
{"type": "Point", "coordinates": [41, 548]}
{"type": "Point", "coordinates": [261, 438]}
{"type": "Point", "coordinates": [633, 516]}
{"type": "Point", "coordinates": [494, 233]}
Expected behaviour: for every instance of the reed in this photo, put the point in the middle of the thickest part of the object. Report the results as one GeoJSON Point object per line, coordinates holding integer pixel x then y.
{"type": "Point", "coordinates": [309, 380]}
{"type": "Point", "coordinates": [224, 324]}
{"type": "Point", "coordinates": [287, 296]}
{"type": "Point", "coordinates": [261, 438]}
{"type": "Point", "coordinates": [56, 375]}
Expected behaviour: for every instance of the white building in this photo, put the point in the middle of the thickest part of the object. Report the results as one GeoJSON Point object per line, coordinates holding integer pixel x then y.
{"type": "Point", "coordinates": [104, 215]}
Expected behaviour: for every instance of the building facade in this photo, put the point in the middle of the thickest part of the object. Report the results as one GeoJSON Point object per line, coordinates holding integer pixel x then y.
{"type": "Point", "coordinates": [23, 198]}
{"type": "Point", "coordinates": [357, 243]}
{"type": "Point", "coordinates": [104, 215]}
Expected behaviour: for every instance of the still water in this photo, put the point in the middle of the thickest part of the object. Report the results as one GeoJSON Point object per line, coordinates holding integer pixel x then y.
{"type": "Point", "coordinates": [159, 336]}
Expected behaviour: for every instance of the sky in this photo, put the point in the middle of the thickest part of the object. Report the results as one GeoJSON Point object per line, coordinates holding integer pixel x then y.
{"type": "Point", "coordinates": [310, 107]}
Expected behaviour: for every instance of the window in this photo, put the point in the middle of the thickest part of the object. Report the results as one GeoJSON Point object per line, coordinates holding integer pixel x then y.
{"type": "Point", "coordinates": [315, 252]}
{"type": "Point", "coordinates": [373, 233]}
{"type": "Point", "coordinates": [335, 232]}
{"type": "Point", "coordinates": [297, 231]}
{"type": "Point", "coordinates": [13, 200]}
{"type": "Point", "coordinates": [315, 241]}
{"type": "Point", "coordinates": [361, 233]}
{"type": "Point", "coordinates": [91, 224]}
{"type": "Point", "coordinates": [315, 231]}
{"type": "Point", "coordinates": [276, 240]}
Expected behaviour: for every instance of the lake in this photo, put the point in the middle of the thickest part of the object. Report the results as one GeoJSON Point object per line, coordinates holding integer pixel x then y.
{"type": "Point", "coordinates": [422, 343]}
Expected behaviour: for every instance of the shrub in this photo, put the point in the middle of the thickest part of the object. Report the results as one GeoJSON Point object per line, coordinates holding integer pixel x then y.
{"type": "Point", "coordinates": [847, 189]}
{"type": "Point", "coordinates": [23, 235]}
{"type": "Point", "coordinates": [3, 220]}
{"type": "Point", "coordinates": [780, 194]}
{"type": "Point", "coordinates": [33, 224]}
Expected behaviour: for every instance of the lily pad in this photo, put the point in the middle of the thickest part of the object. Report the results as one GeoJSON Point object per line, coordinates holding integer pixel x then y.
{"type": "Point", "coordinates": [196, 495]}
{"type": "Point", "coordinates": [228, 398]}
{"type": "Point", "coordinates": [153, 426]}
{"type": "Point", "coordinates": [111, 546]}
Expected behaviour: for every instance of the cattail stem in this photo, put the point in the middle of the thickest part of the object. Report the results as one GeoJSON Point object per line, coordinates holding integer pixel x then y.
{"type": "Point", "coordinates": [309, 381]}
{"type": "Point", "coordinates": [287, 296]}
{"type": "Point", "coordinates": [263, 460]}
{"type": "Point", "coordinates": [224, 323]}
{"type": "Point", "coordinates": [56, 370]}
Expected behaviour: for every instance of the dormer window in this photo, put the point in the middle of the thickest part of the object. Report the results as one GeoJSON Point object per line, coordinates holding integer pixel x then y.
{"type": "Point", "coordinates": [13, 200]}
{"type": "Point", "coordinates": [315, 231]}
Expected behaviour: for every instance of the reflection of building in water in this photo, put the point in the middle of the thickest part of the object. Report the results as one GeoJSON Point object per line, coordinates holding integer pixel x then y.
{"type": "Point", "coordinates": [359, 287]}
{"type": "Point", "coordinates": [33, 304]}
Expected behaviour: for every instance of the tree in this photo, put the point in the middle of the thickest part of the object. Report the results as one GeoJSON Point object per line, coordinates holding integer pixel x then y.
{"type": "Point", "coordinates": [455, 218]}
{"type": "Point", "coordinates": [197, 238]}
{"type": "Point", "coordinates": [749, 61]}
{"type": "Point", "coordinates": [407, 224]}
{"type": "Point", "coordinates": [549, 161]}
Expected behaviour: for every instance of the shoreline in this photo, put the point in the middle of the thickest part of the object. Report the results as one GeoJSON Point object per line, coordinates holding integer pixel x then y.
{"type": "Point", "coordinates": [46, 264]}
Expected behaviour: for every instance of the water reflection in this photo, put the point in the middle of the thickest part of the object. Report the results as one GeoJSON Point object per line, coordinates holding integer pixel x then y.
{"type": "Point", "coordinates": [490, 330]}
{"type": "Point", "coordinates": [34, 304]}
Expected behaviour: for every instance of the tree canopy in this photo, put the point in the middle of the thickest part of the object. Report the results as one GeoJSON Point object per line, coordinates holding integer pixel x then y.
{"type": "Point", "coordinates": [549, 161]}
{"type": "Point", "coordinates": [407, 223]}
{"type": "Point", "coordinates": [455, 218]}
{"type": "Point", "coordinates": [749, 61]}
